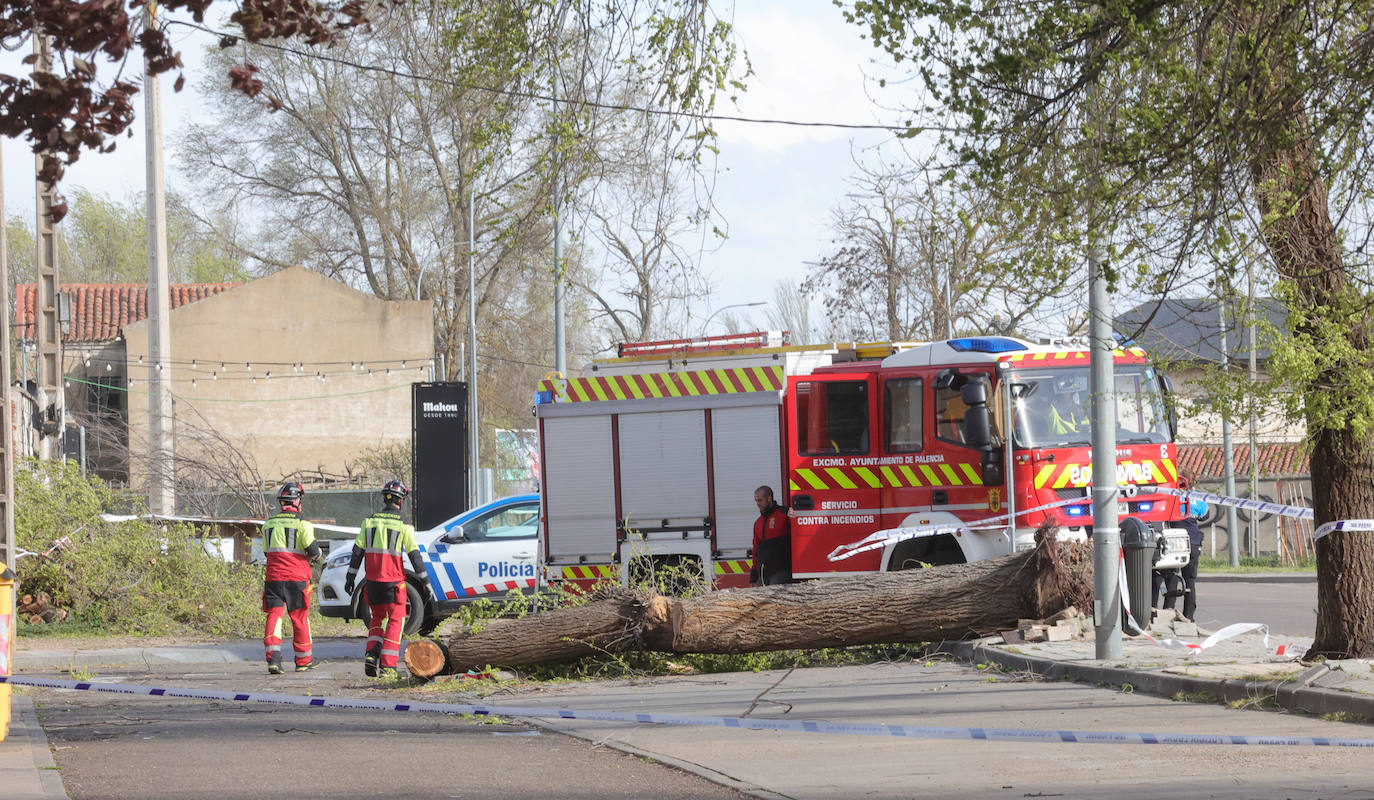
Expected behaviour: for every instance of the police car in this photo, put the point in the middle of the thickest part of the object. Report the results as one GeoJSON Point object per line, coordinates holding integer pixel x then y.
{"type": "Point", "coordinates": [484, 552]}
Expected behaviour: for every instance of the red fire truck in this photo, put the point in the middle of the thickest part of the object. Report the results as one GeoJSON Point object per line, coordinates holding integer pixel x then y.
{"type": "Point", "coordinates": [653, 457]}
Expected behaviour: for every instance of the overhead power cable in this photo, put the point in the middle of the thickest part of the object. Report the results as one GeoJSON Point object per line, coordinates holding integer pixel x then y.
{"type": "Point", "coordinates": [900, 129]}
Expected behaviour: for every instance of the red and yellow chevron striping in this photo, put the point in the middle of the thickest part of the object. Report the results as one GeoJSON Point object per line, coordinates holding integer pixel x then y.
{"type": "Point", "coordinates": [1060, 476]}
{"type": "Point", "coordinates": [734, 567]}
{"type": "Point", "coordinates": [1130, 355]}
{"type": "Point", "coordinates": [735, 380]}
{"type": "Point", "coordinates": [591, 573]}
{"type": "Point", "coordinates": [899, 476]}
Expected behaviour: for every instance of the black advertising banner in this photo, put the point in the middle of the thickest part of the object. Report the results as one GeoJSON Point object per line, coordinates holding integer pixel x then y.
{"type": "Point", "coordinates": [439, 447]}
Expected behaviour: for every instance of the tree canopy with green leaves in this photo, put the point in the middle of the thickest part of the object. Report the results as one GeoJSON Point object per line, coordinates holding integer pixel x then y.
{"type": "Point", "coordinates": [1187, 139]}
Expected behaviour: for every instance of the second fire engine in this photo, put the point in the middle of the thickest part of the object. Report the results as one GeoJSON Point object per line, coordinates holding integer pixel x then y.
{"type": "Point", "coordinates": [653, 457]}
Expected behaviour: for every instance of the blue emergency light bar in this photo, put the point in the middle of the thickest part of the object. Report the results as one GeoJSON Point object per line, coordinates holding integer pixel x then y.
{"type": "Point", "coordinates": [985, 344]}
{"type": "Point", "coordinates": [543, 398]}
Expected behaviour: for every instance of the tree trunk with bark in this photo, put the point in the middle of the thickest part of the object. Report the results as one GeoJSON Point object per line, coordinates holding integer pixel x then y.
{"type": "Point", "coordinates": [1297, 227]}
{"type": "Point", "coordinates": [939, 603]}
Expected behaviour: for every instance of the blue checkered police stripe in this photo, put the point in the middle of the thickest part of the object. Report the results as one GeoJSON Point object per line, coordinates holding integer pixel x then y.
{"type": "Point", "coordinates": [746, 723]}
{"type": "Point", "coordinates": [443, 576]}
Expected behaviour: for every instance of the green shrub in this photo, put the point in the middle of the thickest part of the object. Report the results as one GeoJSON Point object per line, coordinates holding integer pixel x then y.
{"type": "Point", "coordinates": [125, 577]}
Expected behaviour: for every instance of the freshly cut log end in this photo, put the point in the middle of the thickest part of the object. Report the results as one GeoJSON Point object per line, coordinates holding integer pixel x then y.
{"type": "Point", "coordinates": [426, 658]}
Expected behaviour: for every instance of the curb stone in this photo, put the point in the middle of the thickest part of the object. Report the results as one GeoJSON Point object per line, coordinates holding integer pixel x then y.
{"type": "Point", "coordinates": [1289, 695]}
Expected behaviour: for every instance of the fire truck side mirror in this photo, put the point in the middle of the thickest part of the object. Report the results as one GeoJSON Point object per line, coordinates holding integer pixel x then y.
{"type": "Point", "coordinates": [1166, 386]}
{"type": "Point", "coordinates": [977, 419]}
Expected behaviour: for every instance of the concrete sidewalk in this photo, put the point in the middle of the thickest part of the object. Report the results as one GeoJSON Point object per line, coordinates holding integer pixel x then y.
{"type": "Point", "coordinates": [27, 771]}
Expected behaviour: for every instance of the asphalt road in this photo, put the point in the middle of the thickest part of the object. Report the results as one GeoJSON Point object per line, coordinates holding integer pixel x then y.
{"type": "Point", "coordinates": [1287, 608]}
{"type": "Point", "coordinates": [112, 746]}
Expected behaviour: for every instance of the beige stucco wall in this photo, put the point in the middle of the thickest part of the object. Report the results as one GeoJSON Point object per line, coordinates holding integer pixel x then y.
{"type": "Point", "coordinates": [1204, 427]}
{"type": "Point", "coordinates": [291, 421]}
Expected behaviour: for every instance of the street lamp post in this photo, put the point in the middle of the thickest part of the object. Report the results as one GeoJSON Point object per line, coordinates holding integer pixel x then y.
{"type": "Point", "coordinates": [707, 324]}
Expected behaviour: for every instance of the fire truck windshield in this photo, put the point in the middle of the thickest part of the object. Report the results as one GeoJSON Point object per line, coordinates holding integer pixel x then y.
{"type": "Point", "coordinates": [1051, 407]}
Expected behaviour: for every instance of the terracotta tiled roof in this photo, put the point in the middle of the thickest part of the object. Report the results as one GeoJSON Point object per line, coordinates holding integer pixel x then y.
{"type": "Point", "coordinates": [100, 310]}
{"type": "Point", "coordinates": [1208, 461]}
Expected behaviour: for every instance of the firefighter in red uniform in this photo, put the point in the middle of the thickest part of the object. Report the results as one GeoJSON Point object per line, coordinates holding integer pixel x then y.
{"type": "Point", "coordinates": [290, 545]}
{"type": "Point", "coordinates": [772, 541]}
{"type": "Point", "coordinates": [382, 541]}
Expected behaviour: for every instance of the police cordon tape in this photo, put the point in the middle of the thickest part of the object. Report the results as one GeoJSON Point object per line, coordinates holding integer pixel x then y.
{"type": "Point", "coordinates": [1278, 509]}
{"type": "Point", "coordinates": [1229, 632]}
{"type": "Point", "coordinates": [743, 723]}
{"type": "Point", "coordinates": [889, 536]}
{"type": "Point", "coordinates": [883, 538]}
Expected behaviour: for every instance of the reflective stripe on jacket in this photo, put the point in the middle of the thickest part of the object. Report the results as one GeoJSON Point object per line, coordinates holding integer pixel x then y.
{"type": "Point", "coordinates": [384, 539]}
{"type": "Point", "coordinates": [285, 539]}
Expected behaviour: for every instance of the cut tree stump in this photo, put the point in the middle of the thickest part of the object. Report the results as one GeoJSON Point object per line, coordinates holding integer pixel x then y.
{"type": "Point", "coordinates": [934, 604]}
{"type": "Point", "coordinates": [426, 658]}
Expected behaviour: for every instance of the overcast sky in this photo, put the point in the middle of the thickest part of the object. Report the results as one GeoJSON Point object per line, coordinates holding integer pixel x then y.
{"type": "Point", "coordinates": [776, 185]}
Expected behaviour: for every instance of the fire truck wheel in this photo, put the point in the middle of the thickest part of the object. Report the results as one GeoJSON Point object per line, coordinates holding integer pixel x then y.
{"type": "Point", "coordinates": [919, 553]}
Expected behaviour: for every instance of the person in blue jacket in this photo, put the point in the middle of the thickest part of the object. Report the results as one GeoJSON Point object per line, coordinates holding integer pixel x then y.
{"type": "Point", "coordinates": [1195, 509]}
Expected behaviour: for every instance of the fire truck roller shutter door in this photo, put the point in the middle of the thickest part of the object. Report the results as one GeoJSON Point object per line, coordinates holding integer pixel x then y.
{"type": "Point", "coordinates": [581, 499]}
{"type": "Point", "coordinates": [746, 454]}
{"type": "Point", "coordinates": [663, 466]}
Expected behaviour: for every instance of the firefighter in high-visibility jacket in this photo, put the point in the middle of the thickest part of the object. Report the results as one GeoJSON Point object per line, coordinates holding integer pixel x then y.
{"type": "Point", "coordinates": [290, 545]}
{"type": "Point", "coordinates": [381, 543]}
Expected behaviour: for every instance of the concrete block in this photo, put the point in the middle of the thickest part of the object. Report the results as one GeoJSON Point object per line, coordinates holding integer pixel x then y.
{"type": "Point", "coordinates": [1034, 633]}
{"type": "Point", "coordinates": [1185, 629]}
{"type": "Point", "coordinates": [1058, 634]}
{"type": "Point", "coordinates": [1165, 615]}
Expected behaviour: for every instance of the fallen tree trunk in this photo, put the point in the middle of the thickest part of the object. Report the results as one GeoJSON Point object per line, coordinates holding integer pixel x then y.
{"type": "Point", "coordinates": [952, 602]}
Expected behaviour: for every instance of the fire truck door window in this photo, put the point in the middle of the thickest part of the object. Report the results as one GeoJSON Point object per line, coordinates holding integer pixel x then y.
{"type": "Point", "coordinates": [902, 415]}
{"type": "Point", "coordinates": [949, 415]}
{"type": "Point", "coordinates": [832, 417]}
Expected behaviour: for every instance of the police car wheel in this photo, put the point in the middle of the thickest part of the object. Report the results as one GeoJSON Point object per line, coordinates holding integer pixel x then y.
{"type": "Point", "coordinates": [415, 609]}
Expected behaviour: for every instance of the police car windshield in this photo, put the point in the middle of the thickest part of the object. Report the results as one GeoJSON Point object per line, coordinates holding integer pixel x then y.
{"type": "Point", "coordinates": [1051, 407]}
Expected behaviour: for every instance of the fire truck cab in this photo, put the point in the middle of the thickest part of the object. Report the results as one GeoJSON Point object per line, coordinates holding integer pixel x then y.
{"type": "Point", "coordinates": [653, 458]}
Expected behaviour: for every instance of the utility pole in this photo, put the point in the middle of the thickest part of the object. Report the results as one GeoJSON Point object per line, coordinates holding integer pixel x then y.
{"type": "Point", "coordinates": [161, 494]}
{"type": "Point", "coordinates": [8, 539]}
{"type": "Point", "coordinates": [1106, 526]}
{"type": "Point", "coordinates": [1228, 453]}
{"type": "Point", "coordinates": [51, 398]}
{"type": "Point", "coordinates": [1254, 438]}
{"type": "Point", "coordinates": [560, 355]}
{"type": "Point", "coordinates": [474, 477]}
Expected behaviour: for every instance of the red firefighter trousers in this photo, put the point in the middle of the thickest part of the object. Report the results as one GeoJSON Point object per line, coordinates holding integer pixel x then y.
{"type": "Point", "coordinates": [386, 636]}
{"type": "Point", "coordinates": [300, 633]}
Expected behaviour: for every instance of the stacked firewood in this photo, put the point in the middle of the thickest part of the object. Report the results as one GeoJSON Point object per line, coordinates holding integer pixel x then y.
{"type": "Point", "coordinates": [37, 609]}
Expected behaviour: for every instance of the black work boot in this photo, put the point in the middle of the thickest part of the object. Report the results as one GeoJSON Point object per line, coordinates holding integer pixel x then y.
{"type": "Point", "coordinates": [370, 662]}
{"type": "Point", "coordinates": [274, 664]}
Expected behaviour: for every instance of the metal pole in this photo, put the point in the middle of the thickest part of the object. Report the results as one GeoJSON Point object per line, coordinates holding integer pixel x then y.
{"type": "Point", "coordinates": [1010, 483]}
{"type": "Point", "coordinates": [161, 493]}
{"type": "Point", "coordinates": [8, 538]}
{"type": "Point", "coordinates": [1254, 439]}
{"type": "Point", "coordinates": [560, 356]}
{"type": "Point", "coordinates": [48, 366]}
{"type": "Point", "coordinates": [473, 439]}
{"type": "Point", "coordinates": [1106, 530]}
{"type": "Point", "coordinates": [1228, 452]}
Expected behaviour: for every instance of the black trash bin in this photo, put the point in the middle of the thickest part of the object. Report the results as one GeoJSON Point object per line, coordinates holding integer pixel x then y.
{"type": "Point", "coordinates": [1138, 542]}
